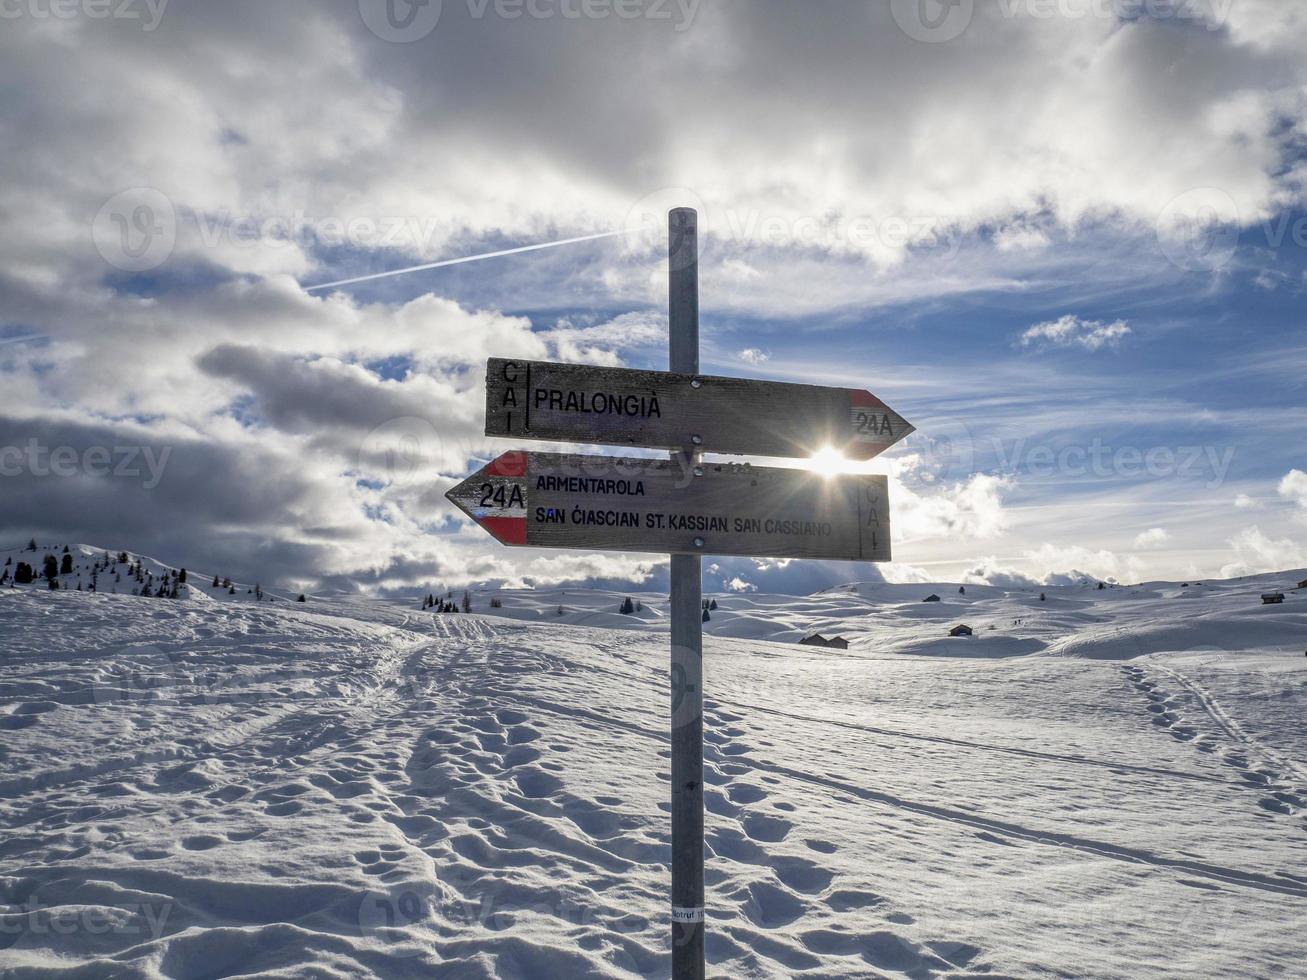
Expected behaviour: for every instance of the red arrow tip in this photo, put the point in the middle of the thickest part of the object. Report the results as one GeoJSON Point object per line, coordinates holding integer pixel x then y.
{"type": "Point", "coordinates": [507, 530]}
{"type": "Point", "coordinates": [509, 464]}
{"type": "Point", "coordinates": [860, 397]}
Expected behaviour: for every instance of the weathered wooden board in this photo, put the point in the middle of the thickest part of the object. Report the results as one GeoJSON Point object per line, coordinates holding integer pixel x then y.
{"type": "Point", "coordinates": [607, 503]}
{"type": "Point", "coordinates": [664, 410]}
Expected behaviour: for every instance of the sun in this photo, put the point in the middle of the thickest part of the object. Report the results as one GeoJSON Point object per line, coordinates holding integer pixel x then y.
{"type": "Point", "coordinates": [828, 462]}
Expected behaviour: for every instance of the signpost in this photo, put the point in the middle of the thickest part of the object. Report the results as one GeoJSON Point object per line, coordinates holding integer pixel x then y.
{"type": "Point", "coordinates": [665, 410]}
{"type": "Point", "coordinates": [682, 506]}
{"type": "Point", "coordinates": [675, 506]}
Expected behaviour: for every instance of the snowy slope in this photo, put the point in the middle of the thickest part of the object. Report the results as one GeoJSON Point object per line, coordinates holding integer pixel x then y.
{"type": "Point", "coordinates": [111, 571]}
{"type": "Point", "coordinates": [1109, 783]}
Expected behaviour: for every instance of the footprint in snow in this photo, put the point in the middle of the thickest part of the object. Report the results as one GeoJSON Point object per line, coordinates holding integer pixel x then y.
{"type": "Point", "coordinates": [802, 875]}
{"type": "Point", "coordinates": [746, 793]}
{"type": "Point", "coordinates": [770, 907]}
{"type": "Point", "coordinates": [764, 828]}
{"type": "Point", "coordinates": [851, 899]}
{"type": "Point", "coordinates": [535, 784]}
{"type": "Point", "coordinates": [201, 842]}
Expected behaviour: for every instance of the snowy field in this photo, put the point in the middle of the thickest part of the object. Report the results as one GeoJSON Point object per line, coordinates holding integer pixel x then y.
{"type": "Point", "coordinates": [1104, 784]}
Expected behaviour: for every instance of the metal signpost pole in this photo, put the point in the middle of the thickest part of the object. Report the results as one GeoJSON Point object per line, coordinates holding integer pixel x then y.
{"type": "Point", "coordinates": [681, 506]}
{"type": "Point", "coordinates": [687, 635]}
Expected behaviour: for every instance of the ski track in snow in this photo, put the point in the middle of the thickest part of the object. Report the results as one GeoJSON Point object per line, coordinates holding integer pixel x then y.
{"type": "Point", "coordinates": [214, 788]}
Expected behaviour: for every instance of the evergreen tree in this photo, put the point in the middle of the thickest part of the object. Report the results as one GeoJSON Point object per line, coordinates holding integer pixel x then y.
{"type": "Point", "coordinates": [23, 574]}
{"type": "Point", "coordinates": [627, 607]}
{"type": "Point", "coordinates": [713, 605]}
{"type": "Point", "coordinates": [181, 576]}
{"type": "Point", "coordinates": [706, 617]}
{"type": "Point", "coordinates": [302, 598]}
{"type": "Point", "coordinates": [66, 567]}
{"type": "Point", "coordinates": [467, 601]}
{"type": "Point", "coordinates": [51, 567]}
{"type": "Point", "coordinates": [216, 583]}
{"type": "Point", "coordinates": [31, 545]}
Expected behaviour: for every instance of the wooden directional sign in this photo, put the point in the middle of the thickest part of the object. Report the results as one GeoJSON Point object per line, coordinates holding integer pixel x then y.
{"type": "Point", "coordinates": [662, 410]}
{"type": "Point", "coordinates": [603, 503]}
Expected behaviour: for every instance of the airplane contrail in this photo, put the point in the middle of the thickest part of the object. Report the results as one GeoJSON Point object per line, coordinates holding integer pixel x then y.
{"type": "Point", "coordinates": [20, 340]}
{"type": "Point", "coordinates": [466, 258]}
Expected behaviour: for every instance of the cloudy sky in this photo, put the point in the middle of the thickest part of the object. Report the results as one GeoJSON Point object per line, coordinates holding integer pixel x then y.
{"type": "Point", "coordinates": [1066, 238]}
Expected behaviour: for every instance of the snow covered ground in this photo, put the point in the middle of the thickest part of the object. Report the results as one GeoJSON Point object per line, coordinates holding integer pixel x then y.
{"type": "Point", "coordinates": [1106, 783]}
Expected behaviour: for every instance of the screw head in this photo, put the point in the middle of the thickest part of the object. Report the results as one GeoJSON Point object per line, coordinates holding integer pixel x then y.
{"type": "Point", "coordinates": [698, 542]}
{"type": "Point", "coordinates": [697, 440]}
{"type": "Point", "coordinates": [696, 383]}
{"type": "Point", "coordinates": [698, 471]}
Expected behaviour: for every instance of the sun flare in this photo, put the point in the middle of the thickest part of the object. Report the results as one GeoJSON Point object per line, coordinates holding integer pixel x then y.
{"type": "Point", "coordinates": [828, 462]}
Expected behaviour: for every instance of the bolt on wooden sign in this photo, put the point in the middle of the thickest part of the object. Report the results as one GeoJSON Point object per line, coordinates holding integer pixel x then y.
{"type": "Point", "coordinates": [607, 503]}
{"type": "Point", "coordinates": [663, 410]}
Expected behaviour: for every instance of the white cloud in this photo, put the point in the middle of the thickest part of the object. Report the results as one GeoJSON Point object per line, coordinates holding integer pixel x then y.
{"type": "Point", "coordinates": [903, 573]}
{"type": "Point", "coordinates": [1057, 565]}
{"type": "Point", "coordinates": [1255, 552]}
{"type": "Point", "coordinates": [609, 343]}
{"type": "Point", "coordinates": [755, 356]}
{"type": "Point", "coordinates": [1071, 564]}
{"type": "Point", "coordinates": [972, 508]}
{"type": "Point", "coordinates": [1245, 502]}
{"type": "Point", "coordinates": [989, 571]}
{"type": "Point", "coordinates": [738, 584]}
{"type": "Point", "coordinates": [1294, 487]}
{"type": "Point", "coordinates": [1269, 279]}
{"type": "Point", "coordinates": [1072, 331]}
{"type": "Point", "coordinates": [1020, 237]}
{"type": "Point", "coordinates": [1152, 538]}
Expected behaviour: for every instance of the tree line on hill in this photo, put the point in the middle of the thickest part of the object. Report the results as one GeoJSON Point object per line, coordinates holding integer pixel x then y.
{"type": "Point", "coordinates": [108, 572]}
{"type": "Point", "coordinates": [447, 604]}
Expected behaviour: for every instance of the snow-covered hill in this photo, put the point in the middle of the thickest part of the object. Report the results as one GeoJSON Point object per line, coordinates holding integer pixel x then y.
{"type": "Point", "coordinates": [82, 568]}
{"type": "Point", "coordinates": [1105, 783]}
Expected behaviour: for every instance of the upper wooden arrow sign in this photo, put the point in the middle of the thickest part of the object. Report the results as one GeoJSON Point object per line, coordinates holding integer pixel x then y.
{"type": "Point", "coordinates": [662, 410]}
{"type": "Point", "coordinates": [609, 503]}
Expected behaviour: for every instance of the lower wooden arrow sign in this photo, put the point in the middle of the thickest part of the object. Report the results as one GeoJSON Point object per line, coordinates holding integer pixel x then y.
{"type": "Point", "coordinates": [612, 503]}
